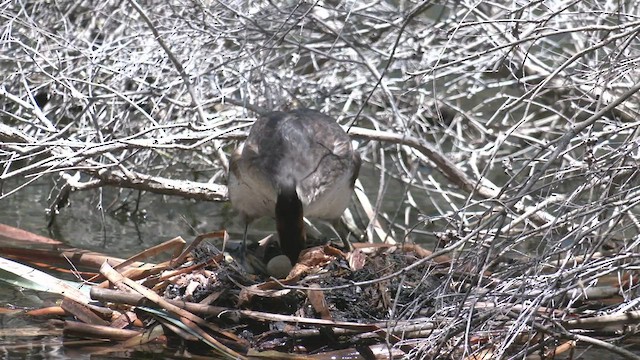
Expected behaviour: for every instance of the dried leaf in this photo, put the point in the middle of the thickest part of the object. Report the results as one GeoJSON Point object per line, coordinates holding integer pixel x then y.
{"type": "Point", "coordinates": [269, 289]}
{"type": "Point", "coordinates": [82, 312]}
{"type": "Point", "coordinates": [311, 258]}
{"type": "Point", "coordinates": [27, 277]}
{"type": "Point", "coordinates": [317, 300]}
{"type": "Point", "coordinates": [10, 233]}
{"type": "Point", "coordinates": [103, 332]}
{"type": "Point", "coordinates": [357, 259]}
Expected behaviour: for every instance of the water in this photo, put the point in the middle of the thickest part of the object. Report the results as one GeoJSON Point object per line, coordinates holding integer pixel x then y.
{"type": "Point", "coordinates": [118, 229]}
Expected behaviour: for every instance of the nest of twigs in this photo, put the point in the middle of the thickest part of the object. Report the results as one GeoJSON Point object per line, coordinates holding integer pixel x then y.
{"type": "Point", "coordinates": [377, 301]}
{"type": "Point", "coordinates": [331, 304]}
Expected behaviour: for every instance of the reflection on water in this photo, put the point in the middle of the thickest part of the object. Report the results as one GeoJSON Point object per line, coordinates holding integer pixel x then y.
{"type": "Point", "coordinates": [117, 230]}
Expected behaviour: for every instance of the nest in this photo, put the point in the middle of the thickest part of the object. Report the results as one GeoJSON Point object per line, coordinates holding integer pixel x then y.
{"type": "Point", "coordinates": [377, 301]}
{"type": "Point", "coordinates": [331, 303]}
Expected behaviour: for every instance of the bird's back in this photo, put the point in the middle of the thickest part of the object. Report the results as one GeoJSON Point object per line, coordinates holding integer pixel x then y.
{"type": "Point", "coordinates": [301, 146]}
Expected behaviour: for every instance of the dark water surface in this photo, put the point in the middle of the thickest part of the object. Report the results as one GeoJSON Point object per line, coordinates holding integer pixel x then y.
{"type": "Point", "coordinates": [117, 229]}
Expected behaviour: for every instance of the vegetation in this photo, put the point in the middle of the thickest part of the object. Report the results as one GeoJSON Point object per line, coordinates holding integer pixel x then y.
{"type": "Point", "coordinates": [509, 129]}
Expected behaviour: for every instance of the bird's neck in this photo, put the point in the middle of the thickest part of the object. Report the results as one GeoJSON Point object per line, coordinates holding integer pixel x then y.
{"type": "Point", "coordinates": [290, 222]}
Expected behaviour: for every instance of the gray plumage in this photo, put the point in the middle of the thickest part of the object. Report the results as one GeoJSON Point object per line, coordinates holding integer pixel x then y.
{"type": "Point", "coordinates": [301, 149]}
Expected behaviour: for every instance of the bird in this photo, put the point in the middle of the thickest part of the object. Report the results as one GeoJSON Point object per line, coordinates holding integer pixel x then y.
{"type": "Point", "coordinates": [293, 164]}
